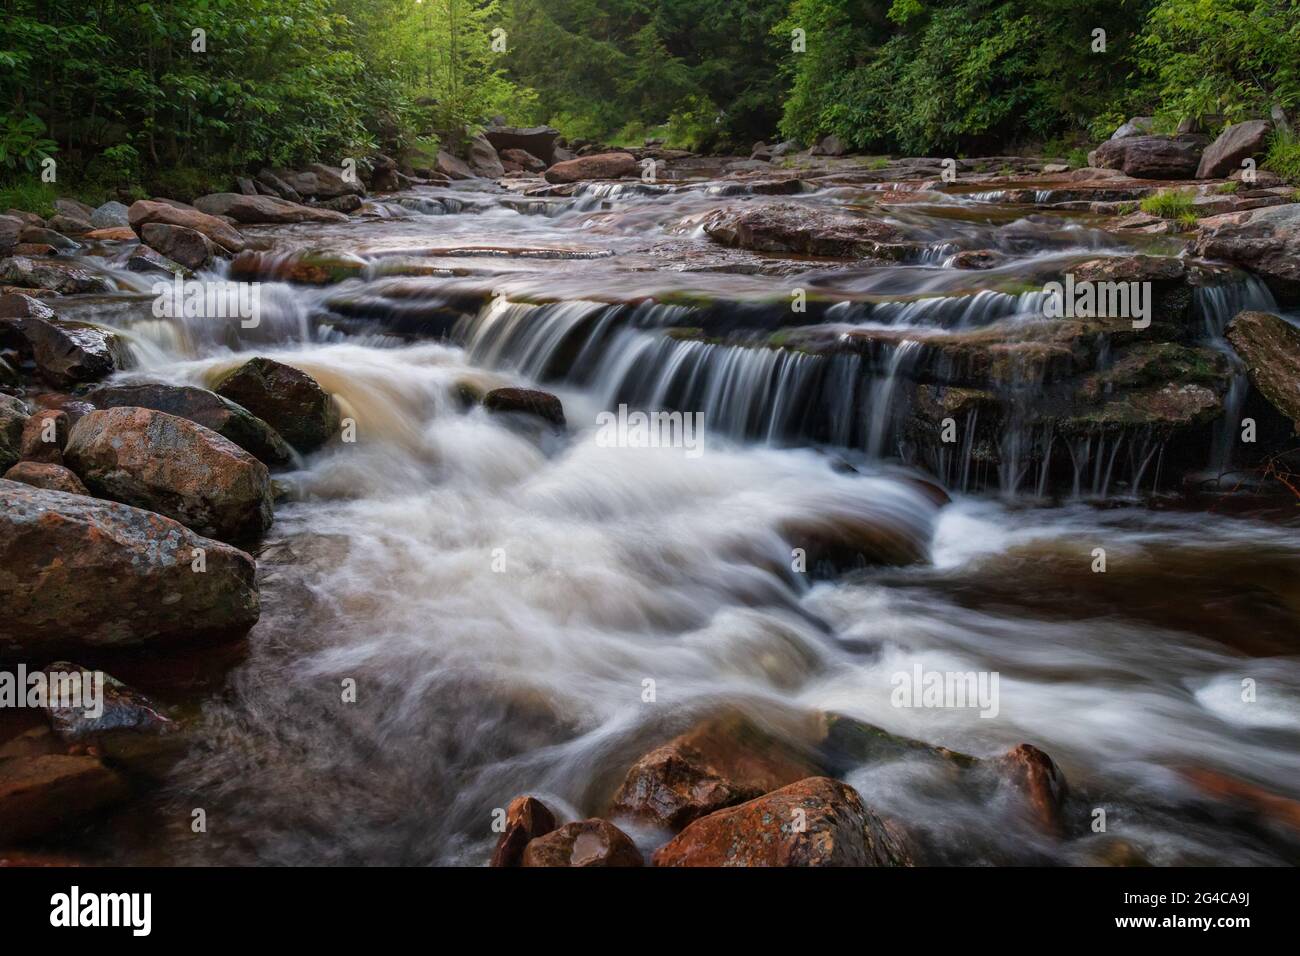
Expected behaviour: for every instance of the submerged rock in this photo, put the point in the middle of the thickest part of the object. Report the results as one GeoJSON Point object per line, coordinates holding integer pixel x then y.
{"type": "Point", "coordinates": [1270, 347]}
{"type": "Point", "coordinates": [287, 399]}
{"type": "Point", "coordinates": [77, 572]}
{"type": "Point", "coordinates": [40, 794]}
{"type": "Point", "coordinates": [174, 467]}
{"type": "Point", "coordinates": [527, 401]}
{"type": "Point", "coordinates": [51, 274]}
{"type": "Point", "coordinates": [596, 843]}
{"type": "Point", "coordinates": [814, 822]}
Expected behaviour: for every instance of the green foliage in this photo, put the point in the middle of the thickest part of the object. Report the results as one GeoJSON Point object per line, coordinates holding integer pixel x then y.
{"type": "Point", "coordinates": [1284, 156]}
{"type": "Point", "coordinates": [1229, 58]}
{"type": "Point", "coordinates": [23, 143]}
{"type": "Point", "coordinates": [1170, 204]}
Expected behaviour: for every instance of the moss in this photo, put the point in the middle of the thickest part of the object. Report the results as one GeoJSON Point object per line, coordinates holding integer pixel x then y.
{"type": "Point", "coordinates": [1170, 204]}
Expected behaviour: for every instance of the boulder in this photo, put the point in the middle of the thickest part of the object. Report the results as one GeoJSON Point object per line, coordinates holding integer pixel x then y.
{"type": "Point", "coordinates": [78, 572]}
{"type": "Point", "coordinates": [246, 186]}
{"type": "Point", "coordinates": [44, 436]}
{"type": "Point", "coordinates": [13, 417]}
{"type": "Point", "coordinates": [814, 822]}
{"type": "Point", "coordinates": [540, 141]}
{"type": "Point", "coordinates": [786, 148]}
{"type": "Point", "coordinates": [132, 732]}
{"type": "Point", "coordinates": [720, 763]}
{"type": "Point", "coordinates": [1035, 776]}
{"type": "Point", "coordinates": [157, 211]}
{"type": "Point", "coordinates": [1151, 157]}
{"type": "Point", "coordinates": [319, 181]}
{"type": "Point", "coordinates": [50, 477]}
{"type": "Point", "coordinates": [309, 266]}
{"type": "Point", "coordinates": [287, 399]}
{"type": "Point", "coordinates": [1237, 142]}
{"type": "Point", "coordinates": [11, 227]}
{"type": "Point", "coordinates": [62, 226]}
{"type": "Point", "coordinates": [174, 467]}
{"type": "Point", "coordinates": [73, 209]}
{"type": "Point", "coordinates": [830, 146]}
{"type": "Point", "coordinates": [278, 186]}
{"type": "Point", "coordinates": [347, 203]}
{"type": "Point", "coordinates": [1267, 243]}
{"type": "Point", "coordinates": [227, 419]}
{"type": "Point", "coordinates": [483, 159]}
{"type": "Point", "coordinates": [150, 261]}
{"type": "Point", "coordinates": [61, 277]}
{"type": "Point", "coordinates": [68, 352]}
{"type": "Point", "coordinates": [526, 401]}
{"type": "Point", "coordinates": [526, 819]}
{"type": "Point", "coordinates": [584, 843]}
{"type": "Point", "coordinates": [596, 166]}
{"type": "Point", "coordinates": [112, 234]}
{"type": "Point", "coordinates": [1137, 126]}
{"type": "Point", "coordinates": [42, 793]}
{"type": "Point", "coordinates": [523, 159]}
{"type": "Point", "coordinates": [790, 227]}
{"type": "Point", "coordinates": [1270, 347]}
{"type": "Point", "coordinates": [263, 209]}
{"type": "Point", "coordinates": [188, 248]}
{"type": "Point", "coordinates": [448, 165]}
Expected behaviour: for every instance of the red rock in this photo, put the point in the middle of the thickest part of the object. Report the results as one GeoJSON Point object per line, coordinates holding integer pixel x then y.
{"type": "Point", "coordinates": [186, 247]}
{"type": "Point", "coordinates": [263, 209]}
{"type": "Point", "coordinates": [815, 822]}
{"type": "Point", "coordinates": [1259, 801]}
{"type": "Point", "coordinates": [48, 476]}
{"type": "Point", "coordinates": [112, 234]}
{"type": "Point", "coordinates": [720, 763]}
{"type": "Point", "coordinates": [526, 819]}
{"type": "Point", "coordinates": [1040, 781]}
{"type": "Point", "coordinates": [149, 210]}
{"type": "Point", "coordinates": [584, 843]}
{"type": "Point", "coordinates": [598, 166]}
{"type": "Point", "coordinates": [44, 436]}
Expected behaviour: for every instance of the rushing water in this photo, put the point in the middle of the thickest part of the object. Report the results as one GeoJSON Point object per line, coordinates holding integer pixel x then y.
{"type": "Point", "coordinates": [501, 594]}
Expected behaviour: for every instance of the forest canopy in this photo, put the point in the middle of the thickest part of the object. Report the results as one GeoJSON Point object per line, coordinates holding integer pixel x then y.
{"type": "Point", "coordinates": [116, 89]}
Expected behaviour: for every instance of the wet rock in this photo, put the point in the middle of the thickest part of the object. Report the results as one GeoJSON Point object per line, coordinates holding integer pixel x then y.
{"type": "Point", "coordinates": [814, 822]}
{"type": "Point", "coordinates": [61, 277]}
{"type": "Point", "coordinates": [1237, 142]}
{"type": "Point", "coordinates": [40, 794]}
{"type": "Point", "coordinates": [208, 409]}
{"type": "Point", "coordinates": [342, 205]}
{"type": "Point", "coordinates": [523, 159]}
{"type": "Point", "coordinates": [110, 215]}
{"type": "Point", "coordinates": [174, 467]}
{"type": "Point", "coordinates": [189, 248]}
{"type": "Point", "coordinates": [539, 141]}
{"type": "Point", "coordinates": [1270, 347]}
{"type": "Point", "coordinates": [1151, 157]}
{"type": "Point", "coordinates": [527, 401]}
{"type": "Point", "coordinates": [1041, 784]}
{"type": "Point", "coordinates": [44, 436]}
{"type": "Point", "coordinates": [310, 267]}
{"type": "Point", "coordinates": [13, 417]}
{"type": "Point", "coordinates": [131, 732]}
{"type": "Point", "coordinates": [47, 476]}
{"type": "Point", "coordinates": [78, 572]}
{"type": "Point", "coordinates": [834, 542]}
{"type": "Point", "coordinates": [1265, 241]}
{"type": "Point", "coordinates": [156, 211]}
{"type": "Point", "coordinates": [597, 166]}
{"type": "Point", "coordinates": [278, 186]}
{"type": "Point", "coordinates": [720, 763]}
{"type": "Point", "coordinates": [584, 843]}
{"type": "Point", "coordinates": [848, 744]}
{"type": "Point", "coordinates": [1256, 800]}
{"type": "Point", "coordinates": [150, 261]}
{"type": "Point", "coordinates": [63, 226]}
{"type": "Point", "coordinates": [68, 352]}
{"type": "Point", "coordinates": [787, 227]}
{"type": "Point", "coordinates": [977, 259]}
{"type": "Point", "coordinates": [264, 209]}
{"type": "Point", "coordinates": [320, 181]}
{"type": "Point", "coordinates": [526, 819]}
{"type": "Point", "coordinates": [287, 399]}
{"type": "Point", "coordinates": [11, 227]}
